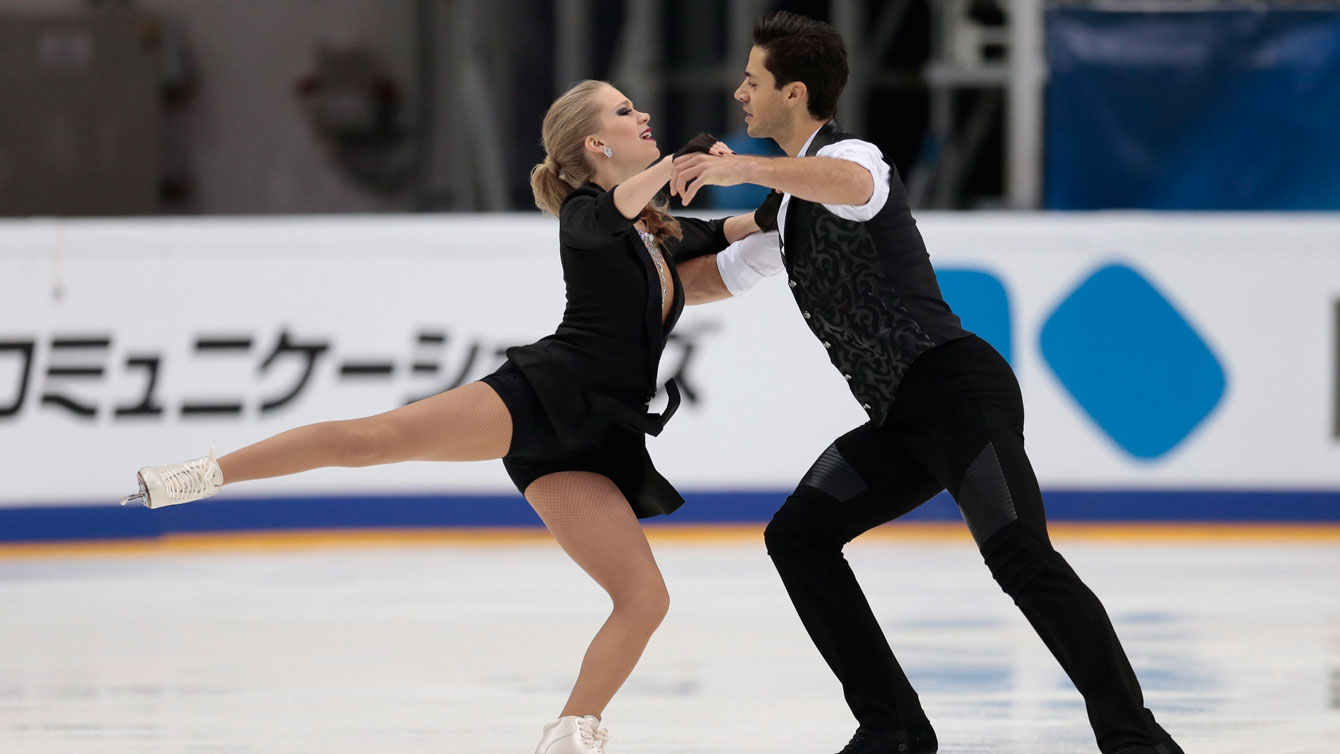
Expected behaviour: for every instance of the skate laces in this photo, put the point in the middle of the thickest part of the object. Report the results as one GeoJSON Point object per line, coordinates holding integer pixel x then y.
{"type": "Point", "coordinates": [191, 479]}
{"type": "Point", "coordinates": [594, 737]}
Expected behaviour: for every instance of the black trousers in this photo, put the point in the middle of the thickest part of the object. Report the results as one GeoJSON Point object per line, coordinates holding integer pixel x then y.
{"type": "Point", "coordinates": [957, 424]}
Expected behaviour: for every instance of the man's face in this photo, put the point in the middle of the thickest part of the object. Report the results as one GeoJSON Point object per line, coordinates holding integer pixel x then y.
{"type": "Point", "coordinates": [767, 115]}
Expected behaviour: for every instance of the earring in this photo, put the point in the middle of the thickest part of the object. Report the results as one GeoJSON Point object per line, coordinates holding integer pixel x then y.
{"type": "Point", "coordinates": [608, 152]}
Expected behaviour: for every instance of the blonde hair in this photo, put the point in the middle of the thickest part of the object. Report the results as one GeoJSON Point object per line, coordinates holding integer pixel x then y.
{"type": "Point", "coordinates": [574, 116]}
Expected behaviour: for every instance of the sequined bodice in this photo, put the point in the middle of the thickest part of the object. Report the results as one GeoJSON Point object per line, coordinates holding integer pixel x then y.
{"type": "Point", "coordinates": [664, 274]}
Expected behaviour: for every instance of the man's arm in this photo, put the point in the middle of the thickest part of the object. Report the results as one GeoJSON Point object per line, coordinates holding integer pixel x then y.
{"type": "Point", "coordinates": [823, 180]}
{"type": "Point", "coordinates": [702, 280]}
{"type": "Point", "coordinates": [702, 277]}
{"type": "Point", "coordinates": [740, 226]}
{"type": "Point", "coordinates": [732, 271]}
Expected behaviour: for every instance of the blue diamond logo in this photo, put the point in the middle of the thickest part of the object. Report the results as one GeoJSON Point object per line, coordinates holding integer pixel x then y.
{"type": "Point", "coordinates": [1132, 362]}
{"type": "Point", "coordinates": [980, 301]}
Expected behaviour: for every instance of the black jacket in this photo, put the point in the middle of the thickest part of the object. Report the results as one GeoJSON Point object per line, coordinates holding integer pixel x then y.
{"type": "Point", "coordinates": [599, 366]}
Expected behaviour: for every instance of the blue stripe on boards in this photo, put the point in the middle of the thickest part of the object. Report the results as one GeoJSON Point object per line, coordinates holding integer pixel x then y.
{"type": "Point", "coordinates": [57, 523]}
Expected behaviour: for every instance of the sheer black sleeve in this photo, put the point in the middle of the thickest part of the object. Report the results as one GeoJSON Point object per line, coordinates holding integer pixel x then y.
{"type": "Point", "coordinates": [701, 237]}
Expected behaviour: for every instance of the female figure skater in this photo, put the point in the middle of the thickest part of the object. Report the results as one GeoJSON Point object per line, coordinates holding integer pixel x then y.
{"type": "Point", "coordinates": [568, 413]}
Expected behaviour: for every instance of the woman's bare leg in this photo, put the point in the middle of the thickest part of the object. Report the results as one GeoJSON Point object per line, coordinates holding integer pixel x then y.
{"type": "Point", "coordinates": [595, 526]}
{"type": "Point", "coordinates": [469, 423]}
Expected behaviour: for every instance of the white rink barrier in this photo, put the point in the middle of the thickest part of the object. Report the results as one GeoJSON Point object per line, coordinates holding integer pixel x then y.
{"type": "Point", "coordinates": [1174, 354]}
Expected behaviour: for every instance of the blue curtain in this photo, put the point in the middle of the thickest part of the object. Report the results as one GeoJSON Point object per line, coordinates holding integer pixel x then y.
{"type": "Point", "coordinates": [1206, 110]}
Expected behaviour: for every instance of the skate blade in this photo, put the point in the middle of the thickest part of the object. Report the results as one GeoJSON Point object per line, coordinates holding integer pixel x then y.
{"type": "Point", "coordinates": [142, 496]}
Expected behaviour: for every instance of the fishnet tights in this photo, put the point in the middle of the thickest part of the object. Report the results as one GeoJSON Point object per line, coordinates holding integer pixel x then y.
{"type": "Point", "coordinates": [469, 423]}
{"type": "Point", "coordinates": [596, 527]}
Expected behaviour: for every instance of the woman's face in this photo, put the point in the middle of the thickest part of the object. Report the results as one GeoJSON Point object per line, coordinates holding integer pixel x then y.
{"type": "Point", "coordinates": [625, 131]}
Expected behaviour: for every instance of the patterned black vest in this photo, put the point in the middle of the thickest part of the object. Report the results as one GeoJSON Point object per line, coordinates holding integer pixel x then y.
{"type": "Point", "coordinates": [866, 289]}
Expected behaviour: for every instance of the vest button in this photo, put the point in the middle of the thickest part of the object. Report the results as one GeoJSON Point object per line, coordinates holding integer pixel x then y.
{"type": "Point", "coordinates": [865, 406]}
{"type": "Point", "coordinates": [848, 376]}
{"type": "Point", "coordinates": [793, 284]}
{"type": "Point", "coordinates": [827, 344]}
{"type": "Point", "coordinates": [807, 314]}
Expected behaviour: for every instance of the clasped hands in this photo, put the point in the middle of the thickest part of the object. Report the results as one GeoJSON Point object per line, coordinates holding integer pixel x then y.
{"type": "Point", "coordinates": [699, 163]}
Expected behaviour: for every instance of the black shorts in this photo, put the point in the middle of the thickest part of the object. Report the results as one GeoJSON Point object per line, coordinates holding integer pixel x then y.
{"type": "Point", "coordinates": [619, 453]}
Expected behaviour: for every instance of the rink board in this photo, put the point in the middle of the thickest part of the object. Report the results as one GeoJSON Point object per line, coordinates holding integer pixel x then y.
{"type": "Point", "coordinates": [1174, 367]}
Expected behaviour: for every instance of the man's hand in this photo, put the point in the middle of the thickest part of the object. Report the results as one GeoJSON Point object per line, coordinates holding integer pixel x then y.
{"type": "Point", "coordinates": [694, 171]}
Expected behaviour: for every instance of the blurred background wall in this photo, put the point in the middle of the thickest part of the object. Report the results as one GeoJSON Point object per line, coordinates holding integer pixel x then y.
{"type": "Point", "coordinates": [213, 93]}
{"type": "Point", "coordinates": [298, 106]}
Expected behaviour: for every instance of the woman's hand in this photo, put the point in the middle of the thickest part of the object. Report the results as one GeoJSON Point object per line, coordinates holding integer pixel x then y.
{"type": "Point", "coordinates": [704, 143]}
{"type": "Point", "coordinates": [720, 149]}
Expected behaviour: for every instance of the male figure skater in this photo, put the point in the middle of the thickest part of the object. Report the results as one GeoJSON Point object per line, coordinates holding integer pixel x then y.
{"type": "Point", "coordinates": [945, 409]}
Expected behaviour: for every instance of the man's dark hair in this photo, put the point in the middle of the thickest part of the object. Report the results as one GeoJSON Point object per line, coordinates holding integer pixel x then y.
{"type": "Point", "coordinates": [811, 52]}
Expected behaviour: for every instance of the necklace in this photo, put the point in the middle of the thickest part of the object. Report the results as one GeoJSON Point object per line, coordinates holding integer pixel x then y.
{"type": "Point", "coordinates": [650, 242]}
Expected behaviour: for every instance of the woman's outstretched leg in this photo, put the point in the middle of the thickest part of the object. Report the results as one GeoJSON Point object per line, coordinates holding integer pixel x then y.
{"type": "Point", "coordinates": [593, 523]}
{"type": "Point", "coordinates": [469, 423]}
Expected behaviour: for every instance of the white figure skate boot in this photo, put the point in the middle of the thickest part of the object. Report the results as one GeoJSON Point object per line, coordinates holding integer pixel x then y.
{"type": "Point", "coordinates": [161, 486]}
{"type": "Point", "coordinates": [573, 735]}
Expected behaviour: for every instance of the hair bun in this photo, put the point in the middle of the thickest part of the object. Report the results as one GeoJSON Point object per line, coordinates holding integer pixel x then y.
{"type": "Point", "coordinates": [553, 167]}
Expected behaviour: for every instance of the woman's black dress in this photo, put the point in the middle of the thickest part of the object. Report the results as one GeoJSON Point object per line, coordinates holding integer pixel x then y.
{"type": "Point", "coordinates": [579, 398]}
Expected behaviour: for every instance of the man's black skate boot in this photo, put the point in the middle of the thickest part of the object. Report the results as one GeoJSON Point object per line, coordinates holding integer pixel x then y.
{"type": "Point", "coordinates": [914, 739]}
